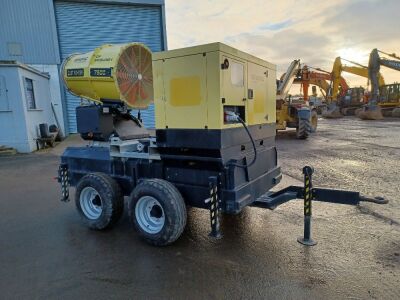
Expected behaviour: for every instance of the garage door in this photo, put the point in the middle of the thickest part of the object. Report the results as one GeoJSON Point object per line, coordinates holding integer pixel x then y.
{"type": "Point", "coordinates": [85, 26]}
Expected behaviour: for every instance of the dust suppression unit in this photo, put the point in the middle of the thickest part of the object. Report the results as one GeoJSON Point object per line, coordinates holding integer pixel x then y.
{"type": "Point", "coordinates": [213, 146]}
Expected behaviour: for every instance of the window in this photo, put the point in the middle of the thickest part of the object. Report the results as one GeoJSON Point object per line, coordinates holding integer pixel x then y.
{"type": "Point", "coordinates": [4, 105]}
{"type": "Point", "coordinates": [237, 74]}
{"type": "Point", "coordinates": [30, 94]}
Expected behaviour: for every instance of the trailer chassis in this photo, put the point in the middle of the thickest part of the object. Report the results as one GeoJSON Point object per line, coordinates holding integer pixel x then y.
{"type": "Point", "coordinates": [269, 200]}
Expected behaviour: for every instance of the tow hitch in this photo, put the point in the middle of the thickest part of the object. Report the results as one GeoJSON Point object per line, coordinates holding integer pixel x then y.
{"type": "Point", "coordinates": [271, 200]}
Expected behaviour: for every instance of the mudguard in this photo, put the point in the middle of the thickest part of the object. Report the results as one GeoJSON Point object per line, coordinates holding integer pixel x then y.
{"type": "Point", "coordinates": [304, 113]}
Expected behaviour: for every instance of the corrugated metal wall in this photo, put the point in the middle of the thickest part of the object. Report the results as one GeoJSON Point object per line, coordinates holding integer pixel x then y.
{"type": "Point", "coordinates": [27, 32]}
{"type": "Point", "coordinates": [84, 26]}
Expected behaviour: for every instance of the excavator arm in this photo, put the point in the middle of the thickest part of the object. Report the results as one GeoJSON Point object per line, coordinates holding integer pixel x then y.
{"type": "Point", "coordinates": [321, 79]}
{"type": "Point", "coordinates": [374, 65]}
{"type": "Point", "coordinates": [359, 70]}
{"type": "Point", "coordinates": [286, 81]}
{"type": "Point", "coordinates": [321, 83]}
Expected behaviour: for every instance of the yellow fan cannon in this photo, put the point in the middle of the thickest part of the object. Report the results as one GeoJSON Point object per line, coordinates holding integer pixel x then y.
{"type": "Point", "coordinates": [112, 73]}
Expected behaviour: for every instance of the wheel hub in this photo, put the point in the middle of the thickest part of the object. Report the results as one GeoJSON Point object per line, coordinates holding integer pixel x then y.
{"type": "Point", "coordinates": [90, 203]}
{"type": "Point", "coordinates": [149, 214]}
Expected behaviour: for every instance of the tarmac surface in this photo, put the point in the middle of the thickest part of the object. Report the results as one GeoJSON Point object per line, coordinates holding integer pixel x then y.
{"type": "Point", "coordinates": [46, 253]}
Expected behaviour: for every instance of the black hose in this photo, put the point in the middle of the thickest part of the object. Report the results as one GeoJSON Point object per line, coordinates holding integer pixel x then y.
{"type": "Point", "coordinates": [254, 148]}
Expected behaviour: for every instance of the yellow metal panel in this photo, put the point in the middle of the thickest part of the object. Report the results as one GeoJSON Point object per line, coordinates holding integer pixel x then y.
{"type": "Point", "coordinates": [257, 107]}
{"type": "Point", "coordinates": [271, 96]}
{"type": "Point", "coordinates": [159, 99]}
{"type": "Point", "coordinates": [184, 107]}
{"type": "Point", "coordinates": [214, 101]}
{"type": "Point", "coordinates": [185, 91]}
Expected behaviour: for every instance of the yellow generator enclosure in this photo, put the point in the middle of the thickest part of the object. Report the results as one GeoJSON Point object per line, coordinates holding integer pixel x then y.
{"type": "Point", "coordinates": [194, 87]}
{"type": "Point", "coordinates": [118, 72]}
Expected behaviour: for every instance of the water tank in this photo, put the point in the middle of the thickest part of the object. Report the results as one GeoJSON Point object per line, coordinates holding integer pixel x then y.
{"type": "Point", "coordinates": [120, 72]}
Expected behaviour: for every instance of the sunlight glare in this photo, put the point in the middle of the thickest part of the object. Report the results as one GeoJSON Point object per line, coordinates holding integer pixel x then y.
{"type": "Point", "coordinates": [353, 54]}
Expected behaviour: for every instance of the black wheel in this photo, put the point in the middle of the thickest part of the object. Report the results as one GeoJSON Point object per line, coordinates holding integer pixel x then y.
{"type": "Point", "coordinates": [99, 201]}
{"type": "Point", "coordinates": [304, 129]}
{"type": "Point", "coordinates": [314, 120]}
{"type": "Point", "coordinates": [157, 211]}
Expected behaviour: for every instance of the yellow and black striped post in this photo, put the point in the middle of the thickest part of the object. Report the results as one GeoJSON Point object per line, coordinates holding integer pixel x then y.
{"type": "Point", "coordinates": [63, 179]}
{"type": "Point", "coordinates": [214, 208]}
{"type": "Point", "coordinates": [308, 196]}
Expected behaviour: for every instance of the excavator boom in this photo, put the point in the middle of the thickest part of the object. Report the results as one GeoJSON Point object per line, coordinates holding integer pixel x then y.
{"type": "Point", "coordinates": [359, 70]}
{"type": "Point", "coordinates": [286, 82]}
{"type": "Point", "coordinates": [374, 65]}
{"type": "Point", "coordinates": [320, 78]}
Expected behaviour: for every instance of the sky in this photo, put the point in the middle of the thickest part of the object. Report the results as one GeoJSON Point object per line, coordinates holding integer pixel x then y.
{"type": "Point", "coordinates": [280, 31]}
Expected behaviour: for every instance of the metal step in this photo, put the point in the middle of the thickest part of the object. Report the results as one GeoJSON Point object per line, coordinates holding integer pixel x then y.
{"type": "Point", "coordinates": [6, 151]}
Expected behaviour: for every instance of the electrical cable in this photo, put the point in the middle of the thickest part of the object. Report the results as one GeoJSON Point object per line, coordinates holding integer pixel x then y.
{"type": "Point", "coordinates": [252, 142]}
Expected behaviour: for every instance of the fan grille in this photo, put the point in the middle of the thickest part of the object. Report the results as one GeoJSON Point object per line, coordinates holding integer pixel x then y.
{"type": "Point", "coordinates": [135, 76]}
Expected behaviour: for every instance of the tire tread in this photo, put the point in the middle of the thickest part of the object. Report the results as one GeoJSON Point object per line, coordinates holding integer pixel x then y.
{"type": "Point", "coordinates": [177, 225]}
{"type": "Point", "coordinates": [112, 192]}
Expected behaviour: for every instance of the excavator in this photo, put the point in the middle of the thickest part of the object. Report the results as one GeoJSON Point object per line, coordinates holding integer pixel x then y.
{"type": "Point", "coordinates": [389, 98]}
{"type": "Point", "coordinates": [321, 79]}
{"type": "Point", "coordinates": [373, 111]}
{"type": "Point", "coordinates": [348, 100]}
{"type": "Point", "coordinates": [293, 115]}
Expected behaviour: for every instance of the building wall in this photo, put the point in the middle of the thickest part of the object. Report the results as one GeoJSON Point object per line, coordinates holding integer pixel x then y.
{"type": "Point", "coordinates": [28, 33]}
{"type": "Point", "coordinates": [12, 120]}
{"type": "Point", "coordinates": [55, 93]}
{"type": "Point", "coordinates": [43, 112]}
{"type": "Point", "coordinates": [20, 125]}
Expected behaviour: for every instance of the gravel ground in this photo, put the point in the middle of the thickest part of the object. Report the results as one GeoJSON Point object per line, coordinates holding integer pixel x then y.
{"type": "Point", "coordinates": [45, 252]}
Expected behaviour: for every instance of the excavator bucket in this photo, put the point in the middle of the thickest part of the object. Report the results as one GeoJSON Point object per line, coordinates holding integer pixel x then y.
{"type": "Point", "coordinates": [332, 112]}
{"type": "Point", "coordinates": [370, 112]}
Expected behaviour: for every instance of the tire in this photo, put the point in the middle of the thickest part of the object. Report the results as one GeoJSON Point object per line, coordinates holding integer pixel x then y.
{"type": "Point", "coordinates": [94, 189]}
{"type": "Point", "coordinates": [314, 121]}
{"type": "Point", "coordinates": [304, 129]}
{"type": "Point", "coordinates": [157, 211]}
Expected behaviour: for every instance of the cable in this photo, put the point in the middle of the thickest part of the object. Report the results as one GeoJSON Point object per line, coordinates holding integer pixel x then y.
{"type": "Point", "coordinates": [233, 115]}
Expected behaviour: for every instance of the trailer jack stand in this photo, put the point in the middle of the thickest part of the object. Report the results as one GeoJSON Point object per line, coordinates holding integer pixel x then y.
{"type": "Point", "coordinates": [214, 208]}
{"type": "Point", "coordinates": [308, 195]}
{"type": "Point", "coordinates": [63, 179]}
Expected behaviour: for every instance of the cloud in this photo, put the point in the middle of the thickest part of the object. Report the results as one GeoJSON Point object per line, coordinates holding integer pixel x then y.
{"type": "Point", "coordinates": [276, 26]}
{"type": "Point", "coordinates": [284, 46]}
{"type": "Point", "coordinates": [370, 22]}
{"type": "Point", "coordinates": [279, 31]}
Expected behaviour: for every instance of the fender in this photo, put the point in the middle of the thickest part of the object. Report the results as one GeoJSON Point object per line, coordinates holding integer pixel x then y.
{"type": "Point", "coordinates": [304, 113]}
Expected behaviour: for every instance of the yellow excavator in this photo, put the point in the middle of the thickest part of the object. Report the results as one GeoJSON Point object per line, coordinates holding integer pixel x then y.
{"type": "Point", "coordinates": [373, 111]}
{"type": "Point", "coordinates": [354, 96]}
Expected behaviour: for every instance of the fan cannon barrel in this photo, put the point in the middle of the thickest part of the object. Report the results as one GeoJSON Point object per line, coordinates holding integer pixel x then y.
{"type": "Point", "coordinates": [112, 73]}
